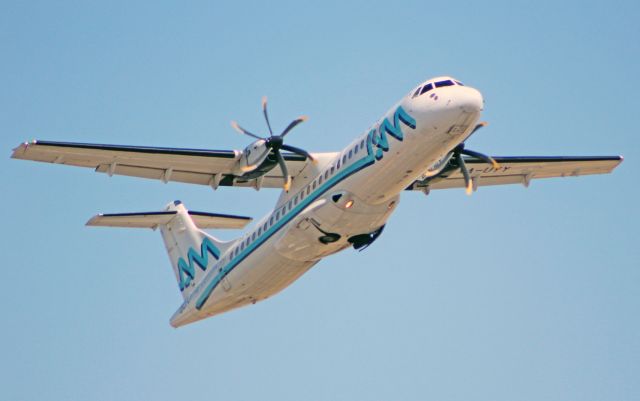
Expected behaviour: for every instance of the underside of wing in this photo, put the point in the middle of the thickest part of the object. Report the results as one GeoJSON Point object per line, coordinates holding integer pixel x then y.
{"type": "Point", "coordinates": [194, 166]}
{"type": "Point", "coordinates": [517, 170]}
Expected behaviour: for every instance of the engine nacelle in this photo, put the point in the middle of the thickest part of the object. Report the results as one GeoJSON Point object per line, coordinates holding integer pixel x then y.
{"type": "Point", "coordinates": [255, 161]}
{"type": "Point", "coordinates": [437, 167]}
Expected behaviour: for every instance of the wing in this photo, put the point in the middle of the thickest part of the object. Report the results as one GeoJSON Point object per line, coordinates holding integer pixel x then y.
{"type": "Point", "coordinates": [193, 166]}
{"type": "Point", "coordinates": [518, 170]}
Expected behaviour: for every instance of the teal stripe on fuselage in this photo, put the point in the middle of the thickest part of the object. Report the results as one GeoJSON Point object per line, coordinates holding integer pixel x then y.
{"type": "Point", "coordinates": [346, 172]}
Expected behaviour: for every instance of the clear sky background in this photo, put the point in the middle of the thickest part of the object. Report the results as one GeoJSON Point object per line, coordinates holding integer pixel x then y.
{"type": "Point", "coordinates": [511, 294]}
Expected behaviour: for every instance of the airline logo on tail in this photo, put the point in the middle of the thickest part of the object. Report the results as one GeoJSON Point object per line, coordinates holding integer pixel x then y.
{"type": "Point", "coordinates": [187, 271]}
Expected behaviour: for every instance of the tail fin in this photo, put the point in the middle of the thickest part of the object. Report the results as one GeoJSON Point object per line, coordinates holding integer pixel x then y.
{"type": "Point", "coordinates": [190, 249]}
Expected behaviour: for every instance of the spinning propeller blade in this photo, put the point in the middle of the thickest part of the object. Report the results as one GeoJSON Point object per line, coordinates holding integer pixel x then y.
{"type": "Point", "coordinates": [285, 172]}
{"type": "Point", "coordinates": [465, 173]}
{"type": "Point", "coordinates": [457, 155]}
{"type": "Point", "coordinates": [266, 116]}
{"type": "Point", "coordinates": [299, 151]}
{"type": "Point", "coordinates": [242, 130]}
{"type": "Point", "coordinates": [485, 158]}
{"type": "Point", "coordinates": [292, 125]}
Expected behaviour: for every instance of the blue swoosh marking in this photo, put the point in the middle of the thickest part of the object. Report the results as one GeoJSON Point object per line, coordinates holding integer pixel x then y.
{"type": "Point", "coordinates": [366, 161]}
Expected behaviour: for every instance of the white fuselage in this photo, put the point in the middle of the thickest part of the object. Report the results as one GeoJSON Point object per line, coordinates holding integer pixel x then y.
{"type": "Point", "coordinates": [350, 194]}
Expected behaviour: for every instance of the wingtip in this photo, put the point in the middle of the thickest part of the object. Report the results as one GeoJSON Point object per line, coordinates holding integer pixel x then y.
{"type": "Point", "coordinates": [92, 221]}
{"type": "Point", "coordinates": [21, 148]}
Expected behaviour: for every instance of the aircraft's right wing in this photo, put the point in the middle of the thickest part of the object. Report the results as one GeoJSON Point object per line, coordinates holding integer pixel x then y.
{"type": "Point", "coordinates": [517, 170]}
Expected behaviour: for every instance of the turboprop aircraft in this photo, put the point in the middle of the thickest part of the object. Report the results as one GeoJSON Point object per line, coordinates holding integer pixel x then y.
{"type": "Point", "coordinates": [329, 202]}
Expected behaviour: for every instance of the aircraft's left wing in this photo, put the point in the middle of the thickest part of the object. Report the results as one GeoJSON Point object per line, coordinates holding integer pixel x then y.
{"type": "Point", "coordinates": [193, 166]}
{"type": "Point", "coordinates": [517, 170]}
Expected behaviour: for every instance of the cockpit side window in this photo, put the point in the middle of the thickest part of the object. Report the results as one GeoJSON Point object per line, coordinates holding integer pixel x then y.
{"type": "Point", "coordinates": [417, 92]}
{"type": "Point", "coordinates": [426, 88]}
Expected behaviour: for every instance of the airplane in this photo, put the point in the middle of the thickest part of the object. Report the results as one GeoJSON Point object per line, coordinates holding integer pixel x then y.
{"type": "Point", "coordinates": [329, 201]}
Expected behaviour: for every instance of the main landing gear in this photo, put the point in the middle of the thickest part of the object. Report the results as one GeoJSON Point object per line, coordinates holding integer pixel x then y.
{"type": "Point", "coordinates": [326, 238]}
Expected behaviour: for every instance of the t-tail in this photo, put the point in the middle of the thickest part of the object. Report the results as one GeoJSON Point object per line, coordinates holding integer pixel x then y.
{"type": "Point", "coordinates": [191, 251]}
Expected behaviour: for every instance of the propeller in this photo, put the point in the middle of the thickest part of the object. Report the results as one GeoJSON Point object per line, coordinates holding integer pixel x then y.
{"type": "Point", "coordinates": [459, 150]}
{"type": "Point", "coordinates": [276, 142]}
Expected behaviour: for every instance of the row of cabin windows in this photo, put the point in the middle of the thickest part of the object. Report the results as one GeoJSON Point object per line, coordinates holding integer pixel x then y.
{"type": "Point", "coordinates": [297, 198]}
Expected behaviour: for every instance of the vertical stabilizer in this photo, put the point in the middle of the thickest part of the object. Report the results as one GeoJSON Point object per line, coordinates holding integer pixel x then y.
{"type": "Point", "coordinates": [191, 251]}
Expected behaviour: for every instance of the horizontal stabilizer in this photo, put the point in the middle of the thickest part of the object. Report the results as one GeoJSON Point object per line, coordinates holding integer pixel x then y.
{"type": "Point", "coordinates": [154, 219]}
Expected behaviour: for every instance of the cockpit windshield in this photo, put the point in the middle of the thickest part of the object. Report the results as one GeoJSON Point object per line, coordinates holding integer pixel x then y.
{"type": "Point", "coordinates": [431, 85]}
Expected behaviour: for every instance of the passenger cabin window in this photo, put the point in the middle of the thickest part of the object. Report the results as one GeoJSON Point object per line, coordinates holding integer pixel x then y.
{"type": "Point", "coordinates": [355, 150]}
{"type": "Point", "coordinates": [362, 144]}
{"type": "Point", "coordinates": [350, 154]}
{"type": "Point", "coordinates": [344, 159]}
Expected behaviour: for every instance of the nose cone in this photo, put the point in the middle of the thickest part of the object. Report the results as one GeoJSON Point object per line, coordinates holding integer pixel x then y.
{"type": "Point", "coordinates": [470, 100]}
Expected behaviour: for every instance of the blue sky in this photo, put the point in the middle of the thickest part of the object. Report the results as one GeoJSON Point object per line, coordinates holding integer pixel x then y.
{"type": "Point", "coordinates": [512, 293]}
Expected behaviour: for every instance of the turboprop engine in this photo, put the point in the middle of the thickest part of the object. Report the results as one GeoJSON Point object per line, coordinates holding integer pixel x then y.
{"type": "Point", "coordinates": [262, 155]}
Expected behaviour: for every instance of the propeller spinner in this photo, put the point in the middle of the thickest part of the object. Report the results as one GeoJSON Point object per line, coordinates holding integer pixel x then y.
{"type": "Point", "coordinates": [276, 142]}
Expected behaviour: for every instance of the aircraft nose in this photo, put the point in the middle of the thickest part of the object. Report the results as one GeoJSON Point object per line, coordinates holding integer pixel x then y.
{"type": "Point", "coordinates": [471, 100]}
